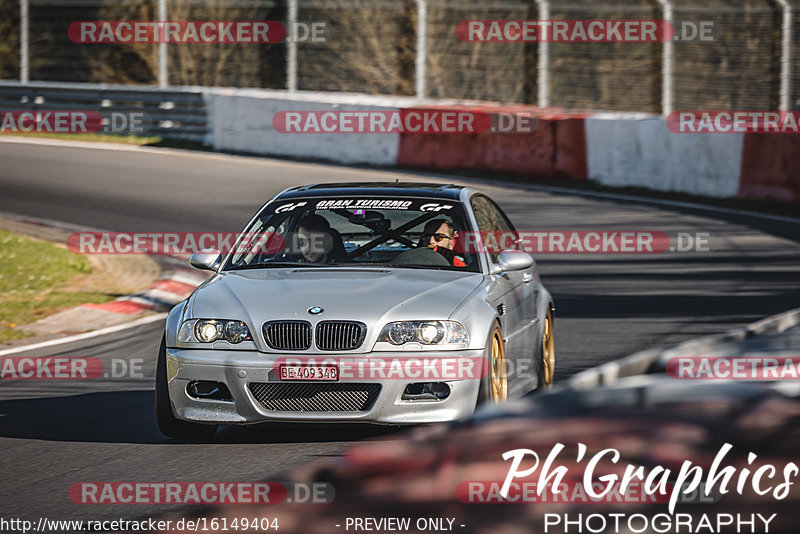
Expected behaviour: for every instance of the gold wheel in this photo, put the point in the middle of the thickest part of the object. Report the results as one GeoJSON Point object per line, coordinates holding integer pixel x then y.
{"type": "Point", "coordinates": [499, 390]}
{"type": "Point", "coordinates": [548, 350]}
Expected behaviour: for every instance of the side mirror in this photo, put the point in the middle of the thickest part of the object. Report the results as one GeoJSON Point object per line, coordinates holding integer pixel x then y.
{"type": "Point", "coordinates": [514, 260]}
{"type": "Point", "coordinates": [207, 259]}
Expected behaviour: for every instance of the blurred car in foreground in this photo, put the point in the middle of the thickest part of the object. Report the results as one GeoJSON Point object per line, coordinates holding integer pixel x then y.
{"type": "Point", "coordinates": [454, 472]}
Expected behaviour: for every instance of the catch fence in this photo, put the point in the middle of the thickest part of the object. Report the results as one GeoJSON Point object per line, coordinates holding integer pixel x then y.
{"type": "Point", "coordinates": [725, 54]}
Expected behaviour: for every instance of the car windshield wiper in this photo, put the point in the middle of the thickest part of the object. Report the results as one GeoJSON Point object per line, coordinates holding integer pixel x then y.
{"type": "Point", "coordinates": [406, 266]}
{"type": "Point", "coordinates": [411, 266]}
{"type": "Point", "coordinates": [270, 264]}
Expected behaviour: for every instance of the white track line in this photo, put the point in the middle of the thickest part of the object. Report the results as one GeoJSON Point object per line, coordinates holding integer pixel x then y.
{"type": "Point", "coordinates": [67, 227]}
{"type": "Point", "coordinates": [88, 335]}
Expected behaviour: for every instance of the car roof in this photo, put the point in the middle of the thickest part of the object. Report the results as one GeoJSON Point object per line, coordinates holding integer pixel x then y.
{"type": "Point", "coordinates": [384, 189]}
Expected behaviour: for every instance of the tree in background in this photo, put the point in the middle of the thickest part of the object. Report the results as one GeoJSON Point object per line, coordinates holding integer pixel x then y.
{"type": "Point", "coordinates": [9, 45]}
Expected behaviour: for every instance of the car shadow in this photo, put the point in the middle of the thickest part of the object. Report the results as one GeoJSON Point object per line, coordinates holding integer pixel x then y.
{"type": "Point", "coordinates": [129, 417]}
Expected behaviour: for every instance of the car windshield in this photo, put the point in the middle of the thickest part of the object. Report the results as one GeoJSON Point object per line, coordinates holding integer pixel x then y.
{"type": "Point", "coordinates": [410, 233]}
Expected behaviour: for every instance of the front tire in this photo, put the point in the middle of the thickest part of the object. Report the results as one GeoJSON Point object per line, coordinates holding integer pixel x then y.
{"type": "Point", "coordinates": [168, 424]}
{"type": "Point", "coordinates": [494, 385]}
{"type": "Point", "coordinates": [547, 361]}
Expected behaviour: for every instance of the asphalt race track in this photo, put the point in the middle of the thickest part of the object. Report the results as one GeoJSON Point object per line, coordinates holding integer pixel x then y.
{"type": "Point", "coordinates": [53, 434]}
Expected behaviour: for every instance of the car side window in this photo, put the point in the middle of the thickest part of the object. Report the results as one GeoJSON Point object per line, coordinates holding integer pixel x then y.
{"type": "Point", "coordinates": [490, 219]}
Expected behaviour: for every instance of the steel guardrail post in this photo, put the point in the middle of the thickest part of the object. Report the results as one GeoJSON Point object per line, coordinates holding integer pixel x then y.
{"type": "Point", "coordinates": [291, 47]}
{"type": "Point", "coordinates": [163, 79]}
{"type": "Point", "coordinates": [24, 21]}
{"type": "Point", "coordinates": [543, 59]}
{"type": "Point", "coordinates": [667, 77]}
{"type": "Point", "coordinates": [786, 57]}
{"type": "Point", "coordinates": [420, 63]}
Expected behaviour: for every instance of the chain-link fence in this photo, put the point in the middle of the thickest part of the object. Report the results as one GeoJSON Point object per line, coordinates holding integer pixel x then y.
{"type": "Point", "coordinates": [750, 61]}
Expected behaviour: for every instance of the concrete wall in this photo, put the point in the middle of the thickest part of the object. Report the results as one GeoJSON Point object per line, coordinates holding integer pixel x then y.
{"type": "Point", "coordinates": [242, 122]}
{"type": "Point", "coordinates": [639, 150]}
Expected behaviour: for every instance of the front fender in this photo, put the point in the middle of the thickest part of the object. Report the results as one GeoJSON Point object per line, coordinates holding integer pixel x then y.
{"type": "Point", "coordinates": [174, 321]}
{"type": "Point", "coordinates": [477, 315]}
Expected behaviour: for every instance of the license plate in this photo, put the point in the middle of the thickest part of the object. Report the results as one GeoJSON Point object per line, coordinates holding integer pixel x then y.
{"type": "Point", "coordinates": [321, 373]}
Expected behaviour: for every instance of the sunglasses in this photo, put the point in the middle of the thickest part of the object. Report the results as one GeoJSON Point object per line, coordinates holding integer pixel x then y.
{"type": "Point", "coordinates": [440, 237]}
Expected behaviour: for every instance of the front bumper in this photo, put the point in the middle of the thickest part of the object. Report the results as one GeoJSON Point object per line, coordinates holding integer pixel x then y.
{"type": "Point", "coordinates": [238, 369]}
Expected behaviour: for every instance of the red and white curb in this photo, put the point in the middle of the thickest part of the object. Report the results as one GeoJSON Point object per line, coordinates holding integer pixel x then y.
{"type": "Point", "coordinates": [174, 285]}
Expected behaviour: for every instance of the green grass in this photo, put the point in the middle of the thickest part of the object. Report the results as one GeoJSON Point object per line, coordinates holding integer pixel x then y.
{"type": "Point", "coordinates": [33, 278]}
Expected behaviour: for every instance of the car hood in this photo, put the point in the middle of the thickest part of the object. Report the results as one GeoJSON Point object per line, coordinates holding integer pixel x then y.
{"type": "Point", "coordinates": [372, 296]}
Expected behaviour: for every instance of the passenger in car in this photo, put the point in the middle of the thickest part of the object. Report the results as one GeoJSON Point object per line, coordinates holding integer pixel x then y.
{"type": "Point", "coordinates": [440, 235]}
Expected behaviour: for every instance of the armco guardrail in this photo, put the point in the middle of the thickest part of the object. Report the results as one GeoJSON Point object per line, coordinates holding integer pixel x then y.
{"type": "Point", "coordinates": [176, 114]}
{"type": "Point", "coordinates": [653, 360]}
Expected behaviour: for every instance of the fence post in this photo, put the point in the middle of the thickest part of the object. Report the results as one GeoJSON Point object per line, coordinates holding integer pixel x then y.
{"type": "Point", "coordinates": [667, 79]}
{"type": "Point", "coordinates": [24, 68]}
{"type": "Point", "coordinates": [543, 59]}
{"type": "Point", "coordinates": [786, 57]}
{"type": "Point", "coordinates": [163, 79]}
{"type": "Point", "coordinates": [420, 65]}
{"type": "Point", "coordinates": [291, 47]}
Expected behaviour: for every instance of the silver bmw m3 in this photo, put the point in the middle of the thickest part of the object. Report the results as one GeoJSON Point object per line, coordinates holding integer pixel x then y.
{"type": "Point", "coordinates": [387, 303]}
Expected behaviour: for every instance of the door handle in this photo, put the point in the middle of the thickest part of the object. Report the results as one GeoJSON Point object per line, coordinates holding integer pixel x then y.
{"type": "Point", "coordinates": [527, 277]}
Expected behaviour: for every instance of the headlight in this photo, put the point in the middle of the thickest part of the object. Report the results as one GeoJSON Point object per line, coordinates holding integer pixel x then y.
{"type": "Point", "coordinates": [399, 333]}
{"type": "Point", "coordinates": [210, 330]}
{"type": "Point", "coordinates": [425, 332]}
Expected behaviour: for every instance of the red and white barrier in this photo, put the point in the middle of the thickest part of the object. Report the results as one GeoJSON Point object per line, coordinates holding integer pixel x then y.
{"type": "Point", "coordinates": [769, 167]}
{"type": "Point", "coordinates": [615, 149]}
{"type": "Point", "coordinates": [555, 146]}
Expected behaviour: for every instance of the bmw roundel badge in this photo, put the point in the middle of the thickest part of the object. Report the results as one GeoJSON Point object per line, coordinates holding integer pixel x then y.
{"type": "Point", "coordinates": [315, 310]}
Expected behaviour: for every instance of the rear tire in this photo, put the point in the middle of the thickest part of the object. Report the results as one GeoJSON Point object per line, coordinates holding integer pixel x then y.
{"type": "Point", "coordinates": [168, 424]}
{"type": "Point", "coordinates": [494, 382]}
